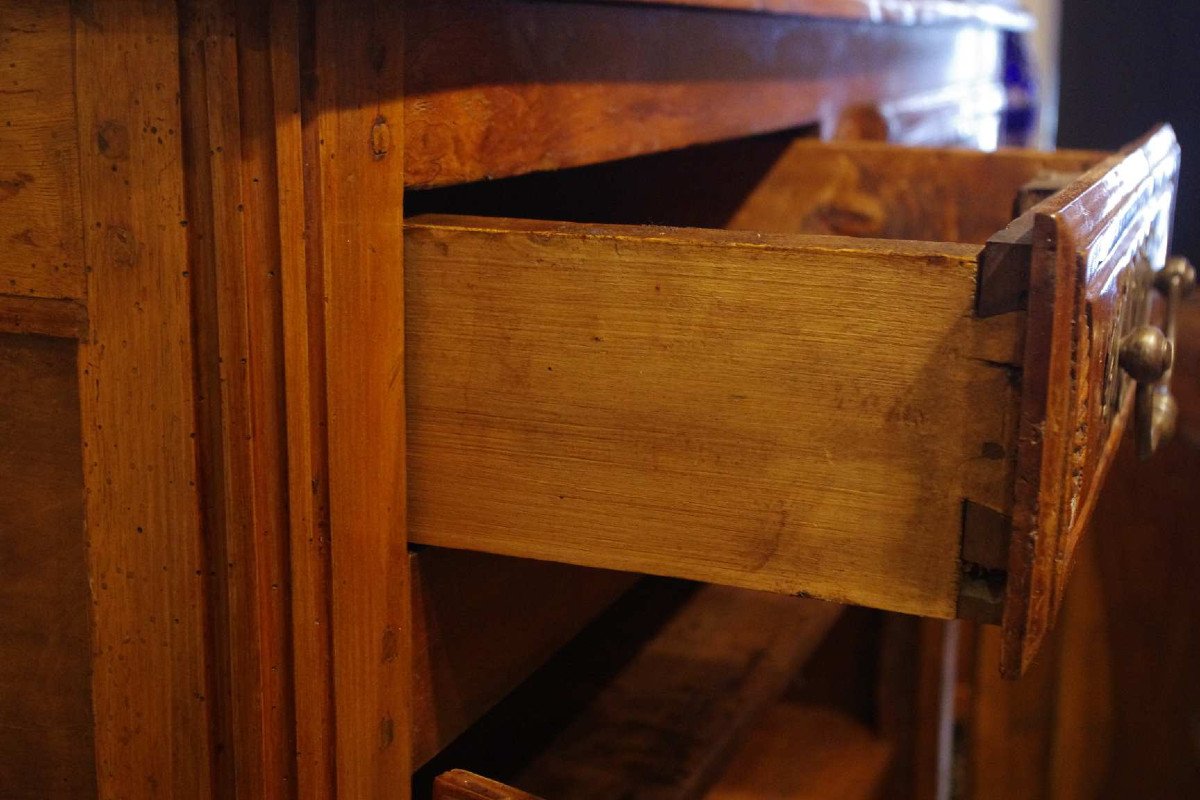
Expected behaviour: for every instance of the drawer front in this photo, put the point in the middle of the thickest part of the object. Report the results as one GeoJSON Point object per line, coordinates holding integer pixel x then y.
{"type": "Point", "coordinates": [1094, 250]}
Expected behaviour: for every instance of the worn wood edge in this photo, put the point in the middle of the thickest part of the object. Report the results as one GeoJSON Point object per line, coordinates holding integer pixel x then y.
{"type": "Point", "coordinates": [1003, 284]}
{"type": "Point", "coordinates": [711, 236]}
{"type": "Point", "coordinates": [1045, 404]}
{"type": "Point", "coordinates": [1004, 15]}
{"type": "Point", "coordinates": [648, 705]}
{"type": "Point", "coordinates": [359, 120]}
{"type": "Point", "coordinates": [1136, 164]}
{"type": "Point", "coordinates": [1004, 262]}
{"type": "Point", "coordinates": [458, 784]}
{"type": "Point", "coordinates": [1065, 158]}
{"type": "Point", "coordinates": [1149, 153]}
{"type": "Point", "coordinates": [60, 318]}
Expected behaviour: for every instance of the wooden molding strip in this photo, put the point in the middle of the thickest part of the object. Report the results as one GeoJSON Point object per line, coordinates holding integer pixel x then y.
{"type": "Point", "coordinates": [482, 624]}
{"type": "Point", "coordinates": [664, 725]}
{"type": "Point", "coordinates": [458, 784]}
{"type": "Point", "coordinates": [996, 13]}
{"type": "Point", "coordinates": [65, 318]}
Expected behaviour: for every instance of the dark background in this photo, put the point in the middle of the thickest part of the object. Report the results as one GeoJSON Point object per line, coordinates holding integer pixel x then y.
{"type": "Point", "coordinates": [1127, 65]}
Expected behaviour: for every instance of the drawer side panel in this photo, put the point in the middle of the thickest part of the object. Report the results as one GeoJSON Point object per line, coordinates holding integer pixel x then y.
{"type": "Point", "coordinates": [797, 414]}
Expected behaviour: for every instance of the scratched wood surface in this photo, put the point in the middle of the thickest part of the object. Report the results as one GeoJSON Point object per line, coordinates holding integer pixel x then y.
{"type": "Point", "coordinates": [41, 228]}
{"type": "Point", "coordinates": [722, 406]}
{"type": "Point", "coordinates": [503, 87]}
{"type": "Point", "coordinates": [45, 647]}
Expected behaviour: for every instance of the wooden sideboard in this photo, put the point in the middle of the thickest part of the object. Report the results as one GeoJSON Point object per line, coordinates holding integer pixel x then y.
{"type": "Point", "coordinates": [238, 382]}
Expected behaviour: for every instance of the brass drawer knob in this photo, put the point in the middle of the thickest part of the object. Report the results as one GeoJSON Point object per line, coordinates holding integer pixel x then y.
{"type": "Point", "coordinates": [1148, 354]}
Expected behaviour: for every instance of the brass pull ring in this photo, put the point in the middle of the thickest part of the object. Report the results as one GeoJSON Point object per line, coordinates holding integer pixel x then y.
{"type": "Point", "coordinates": [1148, 355]}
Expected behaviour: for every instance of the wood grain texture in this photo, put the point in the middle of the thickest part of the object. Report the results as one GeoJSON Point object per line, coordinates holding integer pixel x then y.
{"type": "Point", "coordinates": [1123, 698]}
{"type": "Point", "coordinates": [966, 115]}
{"type": "Point", "coordinates": [360, 185]}
{"type": "Point", "coordinates": [303, 320]}
{"type": "Point", "coordinates": [233, 237]}
{"type": "Point", "coordinates": [663, 726]}
{"type": "Point", "coordinates": [502, 87]}
{"type": "Point", "coordinates": [715, 405]}
{"type": "Point", "coordinates": [65, 319]}
{"type": "Point", "coordinates": [1009, 739]}
{"type": "Point", "coordinates": [1084, 238]}
{"type": "Point", "coordinates": [778, 183]}
{"type": "Point", "coordinates": [482, 624]}
{"type": "Point", "coordinates": [1001, 13]}
{"type": "Point", "coordinates": [150, 667]}
{"type": "Point", "coordinates": [45, 648]}
{"type": "Point", "coordinates": [806, 753]}
{"type": "Point", "coordinates": [1086, 700]}
{"type": "Point", "coordinates": [41, 230]}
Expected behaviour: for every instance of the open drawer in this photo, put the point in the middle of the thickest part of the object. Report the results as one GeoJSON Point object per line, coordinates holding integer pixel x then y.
{"type": "Point", "coordinates": [919, 426]}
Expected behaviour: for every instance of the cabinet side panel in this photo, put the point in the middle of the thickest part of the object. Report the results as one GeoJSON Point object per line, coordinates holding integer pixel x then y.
{"type": "Point", "coordinates": [45, 694]}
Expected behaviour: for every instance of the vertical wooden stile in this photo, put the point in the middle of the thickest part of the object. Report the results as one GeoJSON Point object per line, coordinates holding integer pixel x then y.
{"type": "Point", "coordinates": [303, 322]}
{"type": "Point", "coordinates": [360, 180]}
{"type": "Point", "coordinates": [146, 564]}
